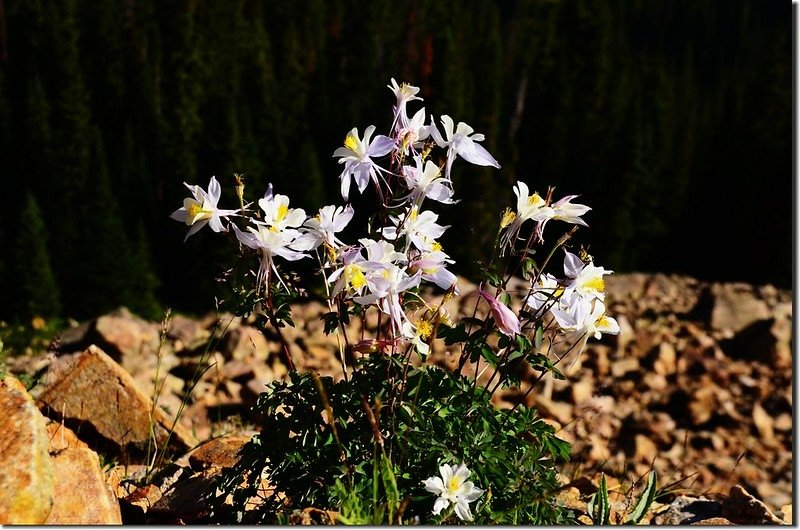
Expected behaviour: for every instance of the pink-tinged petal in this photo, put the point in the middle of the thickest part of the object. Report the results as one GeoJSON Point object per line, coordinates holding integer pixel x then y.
{"type": "Point", "coordinates": [475, 154]}
{"type": "Point", "coordinates": [507, 322]}
{"type": "Point", "coordinates": [380, 146]}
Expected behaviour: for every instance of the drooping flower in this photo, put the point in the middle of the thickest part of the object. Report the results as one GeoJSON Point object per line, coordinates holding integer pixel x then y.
{"type": "Point", "coordinates": [350, 275]}
{"type": "Point", "coordinates": [385, 286]}
{"type": "Point", "coordinates": [546, 291]}
{"type": "Point", "coordinates": [585, 317]}
{"type": "Point", "coordinates": [432, 266]}
{"type": "Point", "coordinates": [201, 209]}
{"type": "Point", "coordinates": [357, 154]}
{"type": "Point", "coordinates": [270, 243]}
{"type": "Point", "coordinates": [453, 488]}
{"type": "Point", "coordinates": [507, 322]}
{"type": "Point", "coordinates": [410, 137]}
{"type": "Point", "coordinates": [585, 279]}
{"type": "Point", "coordinates": [403, 93]}
{"type": "Point", "coordinates": [425, 180]}
{"type": "Point", "coordinates": [461, 142]}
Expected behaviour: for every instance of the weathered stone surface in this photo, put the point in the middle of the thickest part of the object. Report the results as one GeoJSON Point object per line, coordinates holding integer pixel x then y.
{"type": "Point", "coordinates": [26, 481]}
{"type": "Point", "coordinates": [61, 437]}
{"type": "Point", "coordinates": [742, 508]}
{"type": "Point", "coordinates": [220, 452]}
{"type": "Point", "coordinates": [687, 510]}
{"type": "Point", "coordinates": [245, 341]}
{"type": "Point", "coordinates": [736, 306]}
{"type": "Point", "coordinates": [119, 333]}
{"type": "Point", "coordinates": [81, 494]}
{"type": "Point", "coordinates": [97, 394]}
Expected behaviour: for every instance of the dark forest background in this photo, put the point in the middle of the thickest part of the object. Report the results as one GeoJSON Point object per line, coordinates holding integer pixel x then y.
{"type": "Point", "coordinates": [671, 118]}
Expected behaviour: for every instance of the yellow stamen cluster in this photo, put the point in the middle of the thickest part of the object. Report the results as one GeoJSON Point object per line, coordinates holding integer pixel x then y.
{"type": "Point", "coordinates": [597, 283]}
{"type": "Point", "coordinates": [424, 329]}
{"type": "Point", "coordinates": [535, 200]}
{"type": "Point", "coordinates": [508, 218]}
{"type": "Point", "coordinates": [350, 142]}
{"type": "Point", "coordinates": [354, 276]}
{"type": "Point", "coordinates": [283, 210]}
{"type": "Point", "coordinates": [453, 485]}
{"type": "Point", "coordinates": [436, 246]}
{"type": "Point", "coordinates": [194, 209]}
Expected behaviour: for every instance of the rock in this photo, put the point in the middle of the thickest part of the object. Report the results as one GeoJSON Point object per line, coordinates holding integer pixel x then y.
{"type": "Point", "coordinates": [621, 367]}
{"type": "Point", "coordinates": [26, 482]}
{"type": "Point", "coordinates": [184, 502]}
{"type": "Point", "coordinates": [558, 410]}
{"type": "Point", "coordinates": [98, 395]}
{"type": "Point", "coordinates": [764, 423]}
{"type": "Point", "coordinates": [81, 495]}
{"type": "Point", "coordinates": [687, 510]}
{"type": "Point", "coordinates": [787, 514]}
{"type": "Point", "coordinates": [61, 437]}
{"type": "Point", "coordinates": [742, 508]}
{"type": "Point", "coordinates": [220, 452]}
{"type": "Point", "coordinates": [666, 362]}
{"type": "Point", "coordinates": [646, 451]}
{"type": "Point", "coordinates": [120, 333]}
{"type": "Point", "coordinates": [714, 521]}
{"type": "Point", "coordinates": [736, 306]}
{"type": "Point", "coordinates": [188, 331]}
{"type": "Point", "coordinates": [246, 341]}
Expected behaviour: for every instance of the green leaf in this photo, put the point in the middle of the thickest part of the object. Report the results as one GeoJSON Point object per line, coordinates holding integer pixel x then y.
{"type": "Point", "coordinates": [603, 513]}
{"type": "Point", "coordinates": [645, 500]}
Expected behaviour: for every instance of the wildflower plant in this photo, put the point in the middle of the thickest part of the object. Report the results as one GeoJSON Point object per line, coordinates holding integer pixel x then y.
{"type": "Point", "coordinates": [394, 439]}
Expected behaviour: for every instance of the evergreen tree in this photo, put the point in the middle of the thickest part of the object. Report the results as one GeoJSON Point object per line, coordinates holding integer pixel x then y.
{"type": "Point", "coordinates": [35, 292]}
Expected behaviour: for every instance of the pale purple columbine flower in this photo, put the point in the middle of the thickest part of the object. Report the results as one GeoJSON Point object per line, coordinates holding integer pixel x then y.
{"type": "Point", "coordinates": [350, 276]}
{"type": "Point", "coordinates": [403, 94]}
{"type": "Point", "coordinates": [357, 154]}
{"type": "Point", "coordinates": [411, 137]}
{"type": "Point", "coordinates": [507, 322]}
{"type": "Point", "coordinates": [585, 317]}
{"type": "Point", "coordinates": [461, 142]}
{"type": "Point", "coordinates": [420, 228]}
{"type": "Point", "coordinates": [326, 224]}
{"type": "Point", "coordinates": [201, 209]}
{"type": "Point", "coordinates": [529, 207]}
{"type": "Point", "coordinates": [453, 488]}
{"type": "Point", "coordinates": [425, 180]}
{"type": "Point", "coordinates": [432, 267]}
{"type": "Point", "coordinates": [584, 279]}
{"type": "Point", "coordinates": [385, 286]}
{"type": "Point", "coordinates": [270, 242]}
{"type": "Point", "coordinates": [562, 210]}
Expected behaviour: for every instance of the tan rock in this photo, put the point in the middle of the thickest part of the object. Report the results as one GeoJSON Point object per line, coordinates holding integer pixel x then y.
{"type": "Point", "coordinates": [81, 494]}
{"type": "Point", "coordinates": [97, 391]}
{"type": "Point", "coordinates": [623, 366]}
{"type": "Point", "coordinates": [646, 450]}
{"type": "Point", "coordinates": [127, 335]}
{"type": "Point", "coordinates": [246, 341]}
{"type": "Point", "coordinates": [666, 362]}
{"type": "Point", "coordinates": [736, 306]}
{"type": "Point", "coordinates": [26, 482]}
{"type": "Point", "coordinates": [764, 423]}
{"type": "Point", "coordinates": [714, 521]}
{"type": "Point", "coordinates": [61, 437]}
{"type": "Point", "coordinates": [787, 514]}
{"type": "Point", "coordinates": [220, 452]}
{"type": "Point", "coordinates": [742, 508]}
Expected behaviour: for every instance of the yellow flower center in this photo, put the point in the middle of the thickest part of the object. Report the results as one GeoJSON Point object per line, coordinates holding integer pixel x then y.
{"type": "Point", "coordinates": [354, 276]}
{"type": "Point", "coordinates": [453, 485]}
{"type": "Point", "coordinates": [596, 284]}
{"type": "Point", "coordinates": [602, 322]}
{"type": "Point", "coordinates": [436, 246]}
{"type": "Point", "coordinates": [194, 209]}
{"type": "Point", "coordinates": [414, 213]}
{"type": "Point", "coordinates": [424, 329]}
{"type": "Point", "coordinates": [508, 218]}
{"type": "Point", "coordinates": [351, 142]}
{"type": "Point", "coordinates": [535, 200]}
{"type": "Point", "coordinates": [281, 213]}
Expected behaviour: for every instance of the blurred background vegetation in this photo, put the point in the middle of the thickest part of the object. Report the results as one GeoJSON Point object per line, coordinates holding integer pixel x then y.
{"type": "Point", "coordinates": [671, 118]}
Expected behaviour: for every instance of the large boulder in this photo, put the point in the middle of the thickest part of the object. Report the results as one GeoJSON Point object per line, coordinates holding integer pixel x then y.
{"type": "Point", "coordinates": [81, 494]}
{"type": "Point", "coordinates": [26, 482]}
{"type": "Point", "coordinates": [99, 399]}
{"type": "Point", "coordinates": [736, 306]}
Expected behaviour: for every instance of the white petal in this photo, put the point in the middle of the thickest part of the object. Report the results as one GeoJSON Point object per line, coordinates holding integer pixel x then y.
{"type": "Point", "coordinates": [462, 510]}
{"type": "Point", "coordinates": [476, 154]}
{"type": "Point", "coordinates": [440, 504]}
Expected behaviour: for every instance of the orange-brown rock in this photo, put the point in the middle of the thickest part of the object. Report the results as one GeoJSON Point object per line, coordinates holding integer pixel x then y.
{"type": "Point", "coordinates": [26, 482]}
{"type": "Point", "coordinates": [220, 452]}
{"type": "Point", "coordinates": [61, 437]}
{"type": "Point", "coordinates": [742, 508]}
{"type": "Point", "coordinates": [81, 494]}
{"type": "Point", "coordinates": [98, 395]}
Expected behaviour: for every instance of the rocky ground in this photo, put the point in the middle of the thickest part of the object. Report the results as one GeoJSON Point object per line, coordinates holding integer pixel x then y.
{"type": "Point", "coordinates": [698, 386]}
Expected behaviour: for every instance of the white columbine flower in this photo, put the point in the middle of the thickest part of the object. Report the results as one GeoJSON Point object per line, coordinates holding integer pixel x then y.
{"type": "Point", "coordinates": [461, 142]}
{"type": "Point", "coordinates": [329, 221]}
{"type": "Point", "coordinates": [453, 488]}
{"type": "Point", "coordinates": [418, 335]}
{"type": "Point", "coordinates": [585, 317]}
{"type": "Point", "coordinates": [432, 265]}
{"type": "Point", "coordinates": [585, 279]}
{"type": "Point", "coordinates": [270, 243]}
{"type": "Point", "coordinates": [421, 229]}
{"type": "Point", "coordinates": [403, 93]}
{"type": "Point", "coordinates": [385, 286]}
{"type": "Point", "coordinates": [546, 291]}
{"type": "Point", "coordinates": [356, 155]}
{"type": "Point", "coordinates": [410, 136]}
{"type": "Point", "coordinates": [529, 207]}
{"type": "Point", "coordinates": [277, 214]}
{"type": "Point", "coordinates": [202, 209]}
{"type": "Point", "coordinates": [425, 180]}
{"type": "Point", "coordinates": [563, 210]}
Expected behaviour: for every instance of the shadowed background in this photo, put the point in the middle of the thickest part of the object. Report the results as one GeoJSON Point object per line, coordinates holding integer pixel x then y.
{"type": "Point", "coordinates": [672, 119]}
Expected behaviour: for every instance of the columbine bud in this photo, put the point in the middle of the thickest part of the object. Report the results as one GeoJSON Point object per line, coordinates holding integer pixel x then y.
{"type": "Point", "coordinates": [507, 322]}
{"type": "Point", "coordinates": [239, 188]}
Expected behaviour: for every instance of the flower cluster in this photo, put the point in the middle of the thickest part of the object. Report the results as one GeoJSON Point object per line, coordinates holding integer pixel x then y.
{"type": "Point", "coordinates": [410, 171]}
